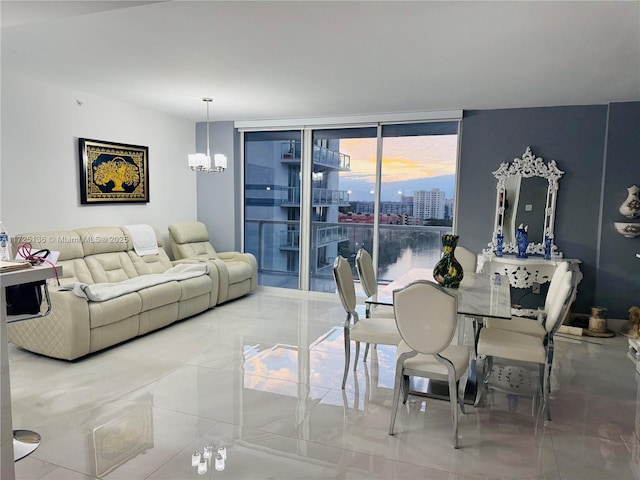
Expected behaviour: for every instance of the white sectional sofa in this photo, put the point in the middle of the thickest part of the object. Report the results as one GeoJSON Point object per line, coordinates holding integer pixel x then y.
{"type": "Point", "coordinates": [96, 256]}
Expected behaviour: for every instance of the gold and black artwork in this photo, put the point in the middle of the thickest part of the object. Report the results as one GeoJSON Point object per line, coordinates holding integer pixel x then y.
{"type": "Point", "coordinates": [113, 172]}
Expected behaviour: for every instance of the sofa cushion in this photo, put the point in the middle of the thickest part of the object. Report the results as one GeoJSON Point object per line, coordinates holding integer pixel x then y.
{"type": "Point", "coordinates": [114, 310]}
{"type": "Point", "coordinates": [150, 263]}
{"type": "Point", "coordinates": [102, 240]}
{"type": "Point", "coordinates": [194, 287]}
{"type": "Point", "coordinates": [159, 295]}
{"type": "Point", "coordinates": [67, 242]}
{"type": "Point", "coordinates": [75, 270]}
{"type": "Point", "coordinates": [191, 240]}
{"type": "Point", "coordinates": [111, 267]}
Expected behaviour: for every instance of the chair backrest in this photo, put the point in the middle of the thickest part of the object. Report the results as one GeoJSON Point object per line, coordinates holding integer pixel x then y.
{"type": "Point", "coordinates": [345, 285]}
{"type": "Point", "coordinates": [561, 269]}
{"type": "Point", "coordinates": [466, 258]}
{"type": "Point", "coordinates": [561, 302]}
{"type": "Point", "coordinates": [364, 265]}
{"type": "Point", "coordinates": [190, 240]}
{"type": "Point", "coordinates": [426, 316]}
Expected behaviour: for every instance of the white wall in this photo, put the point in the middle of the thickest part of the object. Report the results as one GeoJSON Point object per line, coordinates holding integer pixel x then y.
{"type": "Point", "coordinates": [39, 165]}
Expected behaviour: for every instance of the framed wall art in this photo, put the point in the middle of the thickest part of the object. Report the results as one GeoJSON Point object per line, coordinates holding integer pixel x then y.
{"type": "Point", "coordinates": [113, 172]}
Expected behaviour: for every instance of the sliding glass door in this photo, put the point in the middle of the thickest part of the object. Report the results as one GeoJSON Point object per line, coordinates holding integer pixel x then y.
{"type": "Point", "coordinates": [272, 163]}
{"type": "Point", "coordinates": [316, 193]}
{"type": "Point", "coordinates": [416, 196]}
{"type": "Point", "coordinates": [343, 171]}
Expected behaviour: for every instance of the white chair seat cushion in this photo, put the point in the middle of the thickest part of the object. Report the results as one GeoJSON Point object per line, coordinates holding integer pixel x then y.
{"type": "Point", "coordinates": [376, 330]}
{"type": "Point", "coordinates": [517, 324]}
{"type": "Point", "coordinates": [496, 342]}
{"type": "Point", "coordinates": [458, 355]}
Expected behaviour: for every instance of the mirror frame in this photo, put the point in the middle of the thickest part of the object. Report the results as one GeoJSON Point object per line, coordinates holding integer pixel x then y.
{"type": "Point", "coordinates": [528, 166]}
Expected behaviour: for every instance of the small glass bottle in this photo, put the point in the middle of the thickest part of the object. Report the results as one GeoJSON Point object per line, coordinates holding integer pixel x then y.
{"type": "Point", "coordinates": [5, 243]}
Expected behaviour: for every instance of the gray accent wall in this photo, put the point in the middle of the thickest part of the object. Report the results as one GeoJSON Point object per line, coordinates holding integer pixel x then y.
{"type": "Point", "coordinates": [618, 275]}
{"type": "Point", "coordinates": [572, 136]}
{"type": "Point", "coordinates": [576, 138]}
{"type": "Point", "coordinates": [218, 206]}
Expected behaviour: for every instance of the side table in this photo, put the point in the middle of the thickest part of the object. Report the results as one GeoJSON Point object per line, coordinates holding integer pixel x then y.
{"type": "Point", "coordinates": [24, 444]}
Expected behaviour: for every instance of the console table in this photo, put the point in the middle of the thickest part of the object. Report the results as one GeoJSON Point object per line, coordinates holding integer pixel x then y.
{"type": "Point", "coordinates": [524, 272]}
{"type": "Point", "coordinates": [17, 277]}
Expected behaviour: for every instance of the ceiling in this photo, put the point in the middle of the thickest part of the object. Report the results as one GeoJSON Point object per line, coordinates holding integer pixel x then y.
{"type": "Point", "coordinates": [270, 60]}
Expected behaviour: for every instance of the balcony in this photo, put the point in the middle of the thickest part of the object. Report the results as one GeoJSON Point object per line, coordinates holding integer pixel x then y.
{"type": "Point", "coordinates": [290, 239]}
{"type": "Point", "coordinates": [322, 197]}
{"type": "Point", "coordinates": [290, 152]}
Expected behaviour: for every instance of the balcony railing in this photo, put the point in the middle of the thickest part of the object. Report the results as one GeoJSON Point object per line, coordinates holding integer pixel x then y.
{"type": "Point", "coordinates": [290, 151]}
{"type": "Point", "coordinates": [290, 239]}
{"type": "Point", "coordinates": [321, 197]}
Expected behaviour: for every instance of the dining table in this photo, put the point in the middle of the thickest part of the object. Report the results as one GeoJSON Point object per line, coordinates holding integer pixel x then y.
{"type": "Point", "coordinates": [479, 296]}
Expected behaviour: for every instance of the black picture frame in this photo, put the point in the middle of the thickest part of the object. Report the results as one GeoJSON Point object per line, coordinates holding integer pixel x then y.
{"type": "Point", "coordinates": [113, 172]}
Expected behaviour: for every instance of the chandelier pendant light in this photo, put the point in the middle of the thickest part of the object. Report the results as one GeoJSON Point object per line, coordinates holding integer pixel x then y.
{"type": "Point", "coordinates": [200, 162]}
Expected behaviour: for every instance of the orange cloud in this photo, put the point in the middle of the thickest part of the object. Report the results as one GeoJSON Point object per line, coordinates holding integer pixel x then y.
{"type": "Point", "coordinates": [403, 158]}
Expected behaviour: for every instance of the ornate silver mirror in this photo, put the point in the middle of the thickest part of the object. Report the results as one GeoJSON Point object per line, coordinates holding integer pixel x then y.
{"type": "Point", "coordinates": [526, 195]}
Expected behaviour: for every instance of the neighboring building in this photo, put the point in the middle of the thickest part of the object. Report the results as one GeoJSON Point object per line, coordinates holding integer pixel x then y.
{"type": "Point", "coordinates": [385, 218]}
{"type": "Point", "coordinates": [448, 209]}
{"type": "Point", "coordinates": [273, 197]}
{"type": "Point", "coordinates": [404, 207]}
{"type": "Point", "coordinates": [429, 204]}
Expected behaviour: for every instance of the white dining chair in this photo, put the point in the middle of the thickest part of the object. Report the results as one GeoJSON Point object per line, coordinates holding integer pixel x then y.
{"type": "Point", "coordinates": [375, 329]}
{"type": "Point", "coordinates": [530, 326]}
{"type": "Point", "coordinates": [426, 316]}
{"type": "Point", "coordinates": [521, 347]}
{"type": "Point", "coordinates": [366, 272]}
{"type": "Point", "coordinates": [467, 259]}
{"type": "Point", "coordinates": [369, 282]}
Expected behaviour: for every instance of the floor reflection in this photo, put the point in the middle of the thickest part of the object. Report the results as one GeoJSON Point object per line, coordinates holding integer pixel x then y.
{"type": "Point", "coordinates": [262, 376]}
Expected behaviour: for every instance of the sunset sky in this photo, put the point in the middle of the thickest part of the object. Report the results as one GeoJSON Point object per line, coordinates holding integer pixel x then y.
{"type": "Point", "coordinates": [404, 158]}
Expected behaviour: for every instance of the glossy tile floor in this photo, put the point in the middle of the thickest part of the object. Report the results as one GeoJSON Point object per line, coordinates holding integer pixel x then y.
{"type": "Point", "coordinates": [261, 376]}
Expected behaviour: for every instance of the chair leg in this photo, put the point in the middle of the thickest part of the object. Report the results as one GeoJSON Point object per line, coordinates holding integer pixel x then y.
{"type": "Point", "coordinates": [547, 389]}
{"type": "Point", "coordinates": [462, 387]}
{"type": "Point", "coordinates": [366, 352]}
{"type": "Point", "coordinates": [396, 395]}
{"type": "Point", "coordinates": [347, 357]}
{"type": "Point", "coordinates": [454, 406]}
{"type": "Point", "coordinates": [355, 360]}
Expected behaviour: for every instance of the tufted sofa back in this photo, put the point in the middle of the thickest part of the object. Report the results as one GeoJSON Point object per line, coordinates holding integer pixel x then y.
{"type": "Point", "coordinates": [97, 254]}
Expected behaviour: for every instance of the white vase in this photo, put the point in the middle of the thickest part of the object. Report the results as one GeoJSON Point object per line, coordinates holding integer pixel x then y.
{"type": "Point", "coordinates": [631, 206]}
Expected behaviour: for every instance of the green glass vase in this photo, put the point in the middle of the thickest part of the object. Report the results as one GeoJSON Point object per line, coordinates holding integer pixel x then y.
{"type": "Point", "coordinates": [448, 271]}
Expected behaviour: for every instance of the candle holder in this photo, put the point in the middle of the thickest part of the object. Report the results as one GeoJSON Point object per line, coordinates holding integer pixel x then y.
{"type": "Point", "coordinates": [204, 459]}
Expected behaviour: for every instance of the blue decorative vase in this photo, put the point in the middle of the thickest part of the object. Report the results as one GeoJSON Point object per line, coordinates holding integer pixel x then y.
{"type": "Point", "coordinates": [448, 271]}
{"type": "Point", "coordinates": [547, 248]}
{"type": "Point", "coordinates": [522, 242]}
{"type": "Point", "coordinates": [499, 244]}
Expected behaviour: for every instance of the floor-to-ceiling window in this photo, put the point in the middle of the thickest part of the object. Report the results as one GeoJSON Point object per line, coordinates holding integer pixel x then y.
{"type": "Point", "coordinates": [386, 187]}
{"type": "Point", "coordinates": [272, 205]}
{"type": "Point", "coordinates": [337, 177]}
{"type": "Point", "coordinates": [416, 196]}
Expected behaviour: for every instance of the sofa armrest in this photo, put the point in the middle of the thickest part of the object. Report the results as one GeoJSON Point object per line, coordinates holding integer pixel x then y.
{"type": "Point", "coordinates": [244, 257]}
{"type": "Point", "coordinates": [64, 333]}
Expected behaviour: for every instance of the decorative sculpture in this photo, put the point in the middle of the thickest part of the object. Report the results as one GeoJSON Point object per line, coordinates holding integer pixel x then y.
{"type": "Point", "coordinates": [632, 328]}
